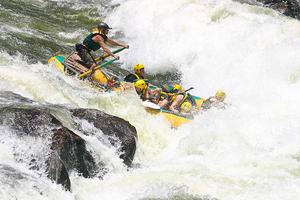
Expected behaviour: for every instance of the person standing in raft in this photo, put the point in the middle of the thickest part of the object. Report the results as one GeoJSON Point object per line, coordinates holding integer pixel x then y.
{"type": "Point", "coordinates": [94, 41]}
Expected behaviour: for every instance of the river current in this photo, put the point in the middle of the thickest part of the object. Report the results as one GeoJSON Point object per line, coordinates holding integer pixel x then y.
{"type": "Point", "coordinates": [248, 151]}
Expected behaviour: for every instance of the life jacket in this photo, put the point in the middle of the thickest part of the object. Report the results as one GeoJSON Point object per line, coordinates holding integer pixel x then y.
{"type": "Point", "coordinates": [164, 95]}
{"type": "Point", "coordinates": [90, 44]}
{"type": "Point", "coordinates": [168, 88]}
{"type": "Point", "coordinates": [138, 77]}
{"type": "Point", "coordinates": [168, 92]}
{"type": "Point", "coordinates": [187, 98]}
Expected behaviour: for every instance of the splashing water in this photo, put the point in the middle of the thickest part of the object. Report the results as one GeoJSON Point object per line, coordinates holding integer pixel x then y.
{"type": "Point", "coordinates": [248, 151]}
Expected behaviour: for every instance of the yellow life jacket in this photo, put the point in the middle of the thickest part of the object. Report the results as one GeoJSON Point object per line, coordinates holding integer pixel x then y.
{"type": "Point", "coordinates": [137, 76]}
{"type": "Point", "coordinates": [189, 98]}
{"type": "Point", "coordinates": [173, 96]}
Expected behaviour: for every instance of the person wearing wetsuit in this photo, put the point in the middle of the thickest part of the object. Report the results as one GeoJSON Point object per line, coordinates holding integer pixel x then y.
{"type": "Point", "coordinates": [94, 41]}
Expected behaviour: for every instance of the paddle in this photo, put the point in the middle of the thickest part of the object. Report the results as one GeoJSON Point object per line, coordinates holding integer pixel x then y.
{"type": "Point", "coordinates": [189, 89]}
{"type": "Point", "coordinates": [107, 55]}
{"type": "Point", "coordinates": [103, 64]}
{"type": "Point", "coordinates": [151, 105]}
{"type": "Point", "coordinates": [98, 67]}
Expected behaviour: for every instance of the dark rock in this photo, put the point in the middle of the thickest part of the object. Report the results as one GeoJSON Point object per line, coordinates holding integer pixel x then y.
{"type": "Point", "coordinates": [69, 153]}
{"type": "Point", "coordinates": [67, 150]}
{"type": "Point", "coordinates": [28, 121]}
{"type": "Point", "coordinates": [7, 97]}
{"type": "Point", "coordinates": [72, 151]}
{"type": "Point", "coordinates": [57, 171]}
{"type": "Point", "coordinates": [289, 8]}
{"type": "Point", "coordinates": [114, 127]}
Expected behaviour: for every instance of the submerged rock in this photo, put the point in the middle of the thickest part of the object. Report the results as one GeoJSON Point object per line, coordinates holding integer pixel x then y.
{"type": "Point", "coordinates": [69, 153]}
{"type": "Point", "coordinates": [114, 127]}
{"type": "Point", "coordinates": [60, 150]}
{"type": "Point", "coordinates": [289, 8]}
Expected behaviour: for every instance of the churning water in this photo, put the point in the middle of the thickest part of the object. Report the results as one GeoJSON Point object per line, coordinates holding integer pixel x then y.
{"type": "Point", "coordinates": [248, 151]}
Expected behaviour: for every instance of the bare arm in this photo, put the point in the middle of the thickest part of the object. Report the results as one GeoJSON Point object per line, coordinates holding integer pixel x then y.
{"type": "Point", "coordinates": [176, 103]}
{"type": "Point", "coordinates": [102, 44]}
{"type": "Point", "coordinates": [116, 43]}
{"type": "Point", "coordinates": [147, 95]}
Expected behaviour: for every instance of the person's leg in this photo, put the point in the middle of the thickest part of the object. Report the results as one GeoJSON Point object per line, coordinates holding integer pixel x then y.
{"type": "Point", "coordinates": [86, 59]}
{"type": "Point", "coordinates": [175, 104]}
{"type": "Point", "coordinates": [163, 103]}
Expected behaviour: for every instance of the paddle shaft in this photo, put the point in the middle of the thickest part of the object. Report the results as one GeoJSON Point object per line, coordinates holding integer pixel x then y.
{"type": "Point", "coordinates": [98, 67]}
{"type": "Point", "coordinates": [107, 55]}
{"type": "Point", "coordinates": [103, 64]}
{"type": "Point", "coordinates": [92, 57]}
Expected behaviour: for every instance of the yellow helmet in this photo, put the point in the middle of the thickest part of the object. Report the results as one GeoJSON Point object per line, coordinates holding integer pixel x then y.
{"type": "Point", "coordinates": [220, 95]}
{"type": "Point", "coordinates": [186, 107]}
{"type": "Point", "coordinates": [140, 85]}
{"type": "Point", "coordinates": [176, 88]}
{"type": "Point", "coordinates": [137, 68]}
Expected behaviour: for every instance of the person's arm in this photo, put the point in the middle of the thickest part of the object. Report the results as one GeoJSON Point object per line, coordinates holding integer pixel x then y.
{"type": "Point", "coordinates": [102, 44]}
{"type": "Point", "coordinates": [175, 103]}
{"type": "Point", "coordinates": [116, 43]}
{"type": "Point", "coordinates": [156, 95]}
{"type": "Point", "coordinates": [147, 95]}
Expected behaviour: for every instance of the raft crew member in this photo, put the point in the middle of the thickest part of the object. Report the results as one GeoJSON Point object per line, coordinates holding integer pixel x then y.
{"type": "Point", "coordinates": [216, 101]}
{"type": "Point", "coordinates": [139, 72]}
{"type": "Point", "coordinates": [182, 102]}
{"type": "Point", "coordinates": [94, 41]}
{"type": "Point", "coordinates": [113, 82]}
{"type": "Point", "coordinates": [168, 92]}
{"type": "Point", "coordinates": [147, 91]}
{"type": "Point", "coordinates": [186, 108]}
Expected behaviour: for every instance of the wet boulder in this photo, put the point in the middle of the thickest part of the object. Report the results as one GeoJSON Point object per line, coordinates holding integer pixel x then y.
{"type": "Point", "coordinates": [289, 8]}
{"type": "Point", "coordinates": [69, 153]}
{"type": "Point", "coordinates": [115, 128]}
{"type": "Point", "coordinates": [39, 139]}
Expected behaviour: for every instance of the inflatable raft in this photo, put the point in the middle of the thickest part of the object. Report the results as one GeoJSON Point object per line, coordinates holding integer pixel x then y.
{"type": "Point", "coordinates": [100, 79]}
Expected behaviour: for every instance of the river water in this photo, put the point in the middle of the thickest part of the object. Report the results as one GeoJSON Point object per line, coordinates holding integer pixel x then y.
{"type": "Point", "coordinates": [248, 151]}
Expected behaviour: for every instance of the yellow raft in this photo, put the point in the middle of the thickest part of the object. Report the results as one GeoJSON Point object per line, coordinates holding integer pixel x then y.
{"type": "Point", "coordinates": [176, 120]}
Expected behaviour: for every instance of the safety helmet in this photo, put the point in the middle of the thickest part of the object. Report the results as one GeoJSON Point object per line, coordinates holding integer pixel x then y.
{"type": "Point", "coordinates": [176, 88]}
{"type": "Point", "coordinates": [220, 95]}
{"type": "Point", "coordinates": [137, 68]}
{"type": "Point", "coordinates": [104, 26]}
{"type": "Point", "coordinates": [186, 107]}
{"type": "Point", "coordinates": [140, 85]}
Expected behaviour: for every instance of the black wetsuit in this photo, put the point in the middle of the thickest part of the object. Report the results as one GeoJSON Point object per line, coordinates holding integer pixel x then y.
{"type": "Point", "coordinates": [132, 78]}
{"type": "Point", "coordinates": [88, 45]}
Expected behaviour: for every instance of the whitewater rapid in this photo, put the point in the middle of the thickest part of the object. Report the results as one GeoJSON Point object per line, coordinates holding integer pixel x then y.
{"type": "Point", "coordinates": [251, 150]}
{"type": "Point", "coordinates": [248, 151]}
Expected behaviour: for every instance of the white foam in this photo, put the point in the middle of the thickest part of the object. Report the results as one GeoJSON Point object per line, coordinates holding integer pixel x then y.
{"type": "Point", "coordinates": [248, 151]}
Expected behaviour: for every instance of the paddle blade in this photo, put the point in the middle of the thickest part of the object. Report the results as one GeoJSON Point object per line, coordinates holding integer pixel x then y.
{"type": "Point", "coordinates": [151, 105]}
